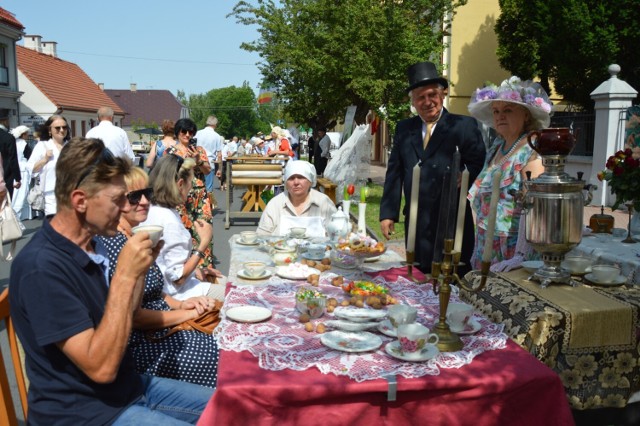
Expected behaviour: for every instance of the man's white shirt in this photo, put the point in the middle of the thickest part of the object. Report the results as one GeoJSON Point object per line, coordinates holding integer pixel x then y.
{"type": "Point", "coordinates": [211, 141]}
{"type": "Point", "coordinates": [114, 138]}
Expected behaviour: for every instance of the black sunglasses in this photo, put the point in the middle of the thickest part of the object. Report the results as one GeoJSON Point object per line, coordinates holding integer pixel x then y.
{"type": "Point", "coordinates": [106, 156]}
{"type": "Point", "coordinates": [60, 128]}
{"type": "Point", "coordinates": [134, 197]}
{"type": "Point", "coordinates": [187, 132]}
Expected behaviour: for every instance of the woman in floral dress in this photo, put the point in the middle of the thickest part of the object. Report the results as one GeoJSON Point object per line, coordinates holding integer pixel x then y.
{"type": "Point", "coordinates": [198, 205]}
{"type": "Point", "coordinates": [190, 356]}
{"type": "Point", "coordinates": [513, 110]}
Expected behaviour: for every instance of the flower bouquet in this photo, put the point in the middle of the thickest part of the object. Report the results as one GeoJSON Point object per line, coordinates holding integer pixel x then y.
{"type": "Point", "coordinates": [623, 176]}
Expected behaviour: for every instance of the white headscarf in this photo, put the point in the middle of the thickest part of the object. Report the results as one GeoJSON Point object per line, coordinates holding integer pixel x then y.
{"type": "Point", "coordinates": [19, 131]}
{"type": "Point", "coordinates": [302, 168]}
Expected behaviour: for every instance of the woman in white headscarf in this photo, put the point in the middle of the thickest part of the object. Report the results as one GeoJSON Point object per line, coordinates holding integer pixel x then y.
{"type": "Point", "coordinates": [19, 204]}
{"type": "Point", "coordinates": [299, 206]}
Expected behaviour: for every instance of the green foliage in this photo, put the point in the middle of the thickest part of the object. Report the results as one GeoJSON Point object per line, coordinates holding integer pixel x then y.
{"type": "Point", "coordinates": [323, 58]}
{"type": "Point", "coordinates": [559, 41]}
{"type": "Point", "coordinates": [235, 107]}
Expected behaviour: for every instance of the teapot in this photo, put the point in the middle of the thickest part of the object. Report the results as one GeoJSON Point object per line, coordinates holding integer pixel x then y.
{"type": "Point", "coordinates": [339, 225]}
{"type": "Point", "coordinates": [553, 141]}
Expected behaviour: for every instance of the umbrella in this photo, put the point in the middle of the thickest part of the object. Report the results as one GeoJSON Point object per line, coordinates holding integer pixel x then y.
{"type": "Point", "coordinates": [149, 131]}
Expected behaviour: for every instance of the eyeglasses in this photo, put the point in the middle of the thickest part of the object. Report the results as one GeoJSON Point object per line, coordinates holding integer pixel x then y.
{"type": "Point", "coordinates": [187, 132]}
{"type": "Point", "coordinates": [59, 128]}
{"type": "Point", "coordinates": [134, 197]}
{"type": "Point", "coordinates": [106, 156]}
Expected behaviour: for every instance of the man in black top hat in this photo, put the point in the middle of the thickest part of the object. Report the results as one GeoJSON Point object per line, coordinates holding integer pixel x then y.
{"type": "Point", "coordinates": [431, 138]}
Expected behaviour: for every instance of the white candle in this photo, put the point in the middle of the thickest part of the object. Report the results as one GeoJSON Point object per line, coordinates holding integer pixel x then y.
{"type": "Point", "coordinates": [462, 204]}
{"type": "Point", "coordinates": [413, 209]}
{"type": "Point", "coordinates": [487, 253]}
{"type": "Point", "coordinates": [362, 218]}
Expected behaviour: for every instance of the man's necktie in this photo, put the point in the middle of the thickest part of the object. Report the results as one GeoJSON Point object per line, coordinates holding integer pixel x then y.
{"type": "Point", "coordinates": [427, 135]}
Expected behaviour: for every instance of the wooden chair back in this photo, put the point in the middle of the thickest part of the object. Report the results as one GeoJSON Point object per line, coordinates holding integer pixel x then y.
{"type": "Point", "coordinates": [7, 412]}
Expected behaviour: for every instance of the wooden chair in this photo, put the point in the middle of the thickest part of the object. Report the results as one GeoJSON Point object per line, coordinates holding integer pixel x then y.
{"type": "Point", "coordinates": [329, 188]}
{"type": "Point", "coordinates": [7, 412]}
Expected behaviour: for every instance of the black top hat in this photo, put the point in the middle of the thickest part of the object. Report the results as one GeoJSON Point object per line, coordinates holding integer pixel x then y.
{"type": "Point", "coordinates": [424, 73]}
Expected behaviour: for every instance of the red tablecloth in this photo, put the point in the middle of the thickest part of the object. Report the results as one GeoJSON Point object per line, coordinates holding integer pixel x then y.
{"type": "Point", "coordinates": [502, 387]}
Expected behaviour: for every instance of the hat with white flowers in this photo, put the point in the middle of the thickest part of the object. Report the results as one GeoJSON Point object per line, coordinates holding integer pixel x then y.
{"type": "Point", "coordinates": [527, 93]}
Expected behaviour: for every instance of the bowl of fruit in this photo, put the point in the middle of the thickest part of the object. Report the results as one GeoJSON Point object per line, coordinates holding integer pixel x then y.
{"type": "Point", "coordinates": [310, 301]}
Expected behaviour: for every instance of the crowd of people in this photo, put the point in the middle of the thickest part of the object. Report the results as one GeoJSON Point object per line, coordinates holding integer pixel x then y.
{"type": "Point", "coordinates": [118, 352]}
{"type": "Point", "coordinates": [96, 304]}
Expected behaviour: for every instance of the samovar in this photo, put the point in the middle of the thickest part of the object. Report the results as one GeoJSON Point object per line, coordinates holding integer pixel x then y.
{"type": "Point", "coordinates": [554, 205]}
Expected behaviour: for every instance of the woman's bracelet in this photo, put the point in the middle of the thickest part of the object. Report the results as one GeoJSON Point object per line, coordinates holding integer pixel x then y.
{"type": "Point", "coordinates": [198, 253]}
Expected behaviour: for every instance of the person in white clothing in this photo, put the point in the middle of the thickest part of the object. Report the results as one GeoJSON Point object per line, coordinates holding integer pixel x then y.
{"type": "Point", "coordinates": [19, 204]}
{"type": "Point", "coordinates": [299, 205]}
{"type": "Point", "coordinates": [211, 141]}
{"type": "Point", "coordinates": [44, 158]}
{"type": "Point", "coordinates": [171, 180]}
{"type": "Point", "coordinates": [113, 137]}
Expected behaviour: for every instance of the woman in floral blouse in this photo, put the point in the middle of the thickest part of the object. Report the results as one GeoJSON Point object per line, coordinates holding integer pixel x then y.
{"type": "Point", "coordinates": [198, 205]}
{"type": "Point", "coordinates": [513, 109]}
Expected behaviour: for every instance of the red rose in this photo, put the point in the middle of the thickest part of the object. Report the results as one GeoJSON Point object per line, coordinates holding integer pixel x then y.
{"type": "Point", "coordinates": [618, 171]}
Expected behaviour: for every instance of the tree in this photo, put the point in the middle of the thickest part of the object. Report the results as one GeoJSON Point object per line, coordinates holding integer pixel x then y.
{"type": "Point", "coordinates": [570, 43]}
{"type": "Point", "coordinates": [323, 58]}
{"type": "Point", "coordinates": [235, 107]}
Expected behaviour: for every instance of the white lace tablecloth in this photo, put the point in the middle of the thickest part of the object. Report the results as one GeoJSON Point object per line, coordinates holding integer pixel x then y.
{"type": "Point", "coordinates": [282, 342]}
{"type": "Point", "coordinates": [611, 250]}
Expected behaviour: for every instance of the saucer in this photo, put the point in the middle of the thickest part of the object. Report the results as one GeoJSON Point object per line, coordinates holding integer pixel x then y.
{"type": "Point", "coordinates": [429, 351]}
{"type": "Point", "coordinates": [387, 329]}
{"type": "Point", "coordinates": [244, 243]}
{"type": "Point", "coordinates": [245, 275]}
{"type": "Point", "coordinates": [621, 279]}
{"type": "Point", "coordinates": [473, 326]}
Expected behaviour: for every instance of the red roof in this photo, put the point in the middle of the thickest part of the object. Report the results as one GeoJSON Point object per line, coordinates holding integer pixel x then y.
{"type": "Point", "coordinates": [146, 105]}
{"type": "Point", "coordinates": [8, 18]}
{"type": "Point", "coordinates": [63, 83]}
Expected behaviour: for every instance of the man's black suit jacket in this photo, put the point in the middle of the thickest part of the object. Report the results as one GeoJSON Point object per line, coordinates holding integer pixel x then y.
{"type": "Point", "coordinates": [9, 159]}
{"type": "Point", "coordinates": [451, 131]}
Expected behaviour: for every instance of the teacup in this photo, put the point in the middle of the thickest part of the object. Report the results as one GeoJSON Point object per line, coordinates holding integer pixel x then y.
{"type": "Point", "coordinates": [402, 314]}
{"type": "Point", "coordinates": [414, 337]}
{"type": "Point", "coordinates": [577, 264]}
{"type": "Point", "coordinates": [154, 231]}
{"type": "Point", "coordinates": [458, 315]}
{"type": "Point", "coordinates": [297, 232]}
{"type": "Point", "coordinates": [249, 237]}
{"type": "Point", "coordinates": [254, 268]}
{"type": "Point", "coordinates": [605, 273]}
{"type": "Point", "coordinates": [316, 251]}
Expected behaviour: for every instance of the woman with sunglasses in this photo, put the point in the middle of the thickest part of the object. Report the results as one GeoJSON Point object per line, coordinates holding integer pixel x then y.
{"type": "Point", "coordinates": [179, 259]}
{"type": "Point", "coordinates": [199, 204]}
{"type": "Point", "coordinates": [190, 356]}
{"type": "Point", "coordinates": [45, 156]}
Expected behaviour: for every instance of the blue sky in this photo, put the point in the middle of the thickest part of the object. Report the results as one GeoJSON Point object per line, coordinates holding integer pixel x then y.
{"type": "Point", "coordinates": [185, 45]}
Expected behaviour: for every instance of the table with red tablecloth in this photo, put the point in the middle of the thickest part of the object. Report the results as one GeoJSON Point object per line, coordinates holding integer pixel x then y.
{"type": "Point", "coordinates": [505, 386]}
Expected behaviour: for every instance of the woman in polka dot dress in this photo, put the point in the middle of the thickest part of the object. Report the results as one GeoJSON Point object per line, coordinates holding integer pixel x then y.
{"type": "Point", "coordinates": [190, 356]}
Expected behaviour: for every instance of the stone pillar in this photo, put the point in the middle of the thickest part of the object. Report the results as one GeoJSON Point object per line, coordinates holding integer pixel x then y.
{"type": "Point", "coordinates": [611, 98]}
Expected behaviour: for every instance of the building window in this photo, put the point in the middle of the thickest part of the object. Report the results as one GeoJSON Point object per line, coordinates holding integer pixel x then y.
{"type": "Point", "coordinates": [83, 127]}
{"type": "Point", "coordinates": [73, 128]}
{"type": "Point", "coordinates": [4, 71]}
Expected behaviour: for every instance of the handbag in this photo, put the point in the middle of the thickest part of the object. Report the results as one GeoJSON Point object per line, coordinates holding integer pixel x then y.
{"type": "Point", "coordinates": [205, 323]}
{"type": "Point", "coordinates": [10, 227]}
{"type": "Point", "coordinates": [36, 196]}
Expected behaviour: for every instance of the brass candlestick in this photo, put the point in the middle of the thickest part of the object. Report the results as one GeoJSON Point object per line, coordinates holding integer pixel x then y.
{"type": "Point", "coordinates": [445, 274]}
{"type": "Point", "coordinates": [411, 258]}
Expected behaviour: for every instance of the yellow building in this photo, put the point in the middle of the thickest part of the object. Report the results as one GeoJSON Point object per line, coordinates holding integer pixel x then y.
{"type": "Point", "coordinates": [470, 58]}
